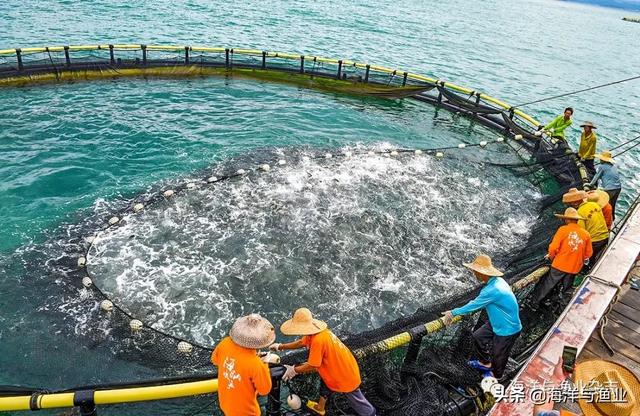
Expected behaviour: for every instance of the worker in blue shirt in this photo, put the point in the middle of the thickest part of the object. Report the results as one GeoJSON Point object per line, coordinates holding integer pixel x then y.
{"type": "Point", "coordinates": [494, 340]}
{"type": "Point", "coordinates": [609, 178]}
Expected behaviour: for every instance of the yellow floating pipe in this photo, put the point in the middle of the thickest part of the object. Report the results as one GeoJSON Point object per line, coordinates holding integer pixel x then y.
{"type": "Point", "coordinates": [102, 397]}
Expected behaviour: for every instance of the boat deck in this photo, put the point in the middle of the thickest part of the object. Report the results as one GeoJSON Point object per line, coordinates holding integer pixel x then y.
{"type": "Point", "coordinates": [622, 332]}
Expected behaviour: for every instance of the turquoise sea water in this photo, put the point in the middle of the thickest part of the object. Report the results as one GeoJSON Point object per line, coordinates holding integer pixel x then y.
{"type": "Point", "coordinates": [69, 151]}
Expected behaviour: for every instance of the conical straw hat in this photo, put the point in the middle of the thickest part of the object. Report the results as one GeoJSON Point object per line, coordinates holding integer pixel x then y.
{"type": "Point", "coordinates": [610, 376]}
{"type": "Point", "coordinates": [599, 196]}
{"type": "Point", "coordinates": [252, 331]}
{"type": "Point", "coordinates": [482, 264]}
{"type": "Point", "coordinates": [302, 323]}
{"type": "Point", "coordinates": [570, 214]}
{"type": "Point", "coordinates": [589, 124]}
{"type": "Point", "coordinates": [574, 195]}
{"type": "Point", "coordinates": [605, 156]}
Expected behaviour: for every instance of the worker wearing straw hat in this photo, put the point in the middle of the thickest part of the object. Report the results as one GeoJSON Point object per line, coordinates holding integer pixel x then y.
{"type": "Point", "coordinates": [603, 388]}
{"type": "Point", "coordinates": [587, 149]}
{"type": "Point", "coordinates": [570, 248]}
{"type": "Point", "coordinates": [593, 222]}
{"type": "Point", "coordinates": [609, 178]}
{"type": "Point", "coordinates": [496, 337]}
{"type": "Point", "coordinates": [242, 375]}
{"type": "Point", "coordinates": [333, 361]}
{"type": "Point", "coordinates": [601, 198]}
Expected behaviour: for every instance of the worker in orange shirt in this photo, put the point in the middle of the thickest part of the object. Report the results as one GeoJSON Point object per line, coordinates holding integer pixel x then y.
{"type": "Point", "coordinates": [242, 375]}
{"type": "Point", "coordinates": [601, 198]}
{"type": "Point", "coordinates": [333, 361]}
{"type": "Point", "coordinates": [569, 250]}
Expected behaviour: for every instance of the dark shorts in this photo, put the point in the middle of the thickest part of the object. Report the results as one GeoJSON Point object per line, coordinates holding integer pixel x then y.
{"type": "Point", "coordinates": [359, 404]}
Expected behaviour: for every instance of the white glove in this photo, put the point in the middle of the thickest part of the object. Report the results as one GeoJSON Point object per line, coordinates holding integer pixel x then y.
{"type": "Point", "coordinates": [546, 257]}
{"type": "Point", "coordinates": [275, 346]}
{"type": "Point", "coordinates": [270, 358]}
{"type": "Point", "coordinates": [290, 373]}
{"type": "Point", "coordinates": [447, 317]}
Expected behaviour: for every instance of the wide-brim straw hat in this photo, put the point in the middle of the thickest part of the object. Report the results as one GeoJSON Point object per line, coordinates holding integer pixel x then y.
{"type": "Point", "coordinates": [617, 378]}
{"type": "Point", "coordinates": [302, 323]}
{"type": "Point", "coordinates": [570, 214]}
{"type": "Point", "coordinates": [599, 196]}
{"type": "Point", "coordinates": [252, 331]}
{"type": "Point", "coordinates": [605, 157]}
{"type": "Point", "coordinates": [588, 124]}
{"type": "Point", "coordinates": [482, 264]}
{"type": "Point", "coordinates": [574, 195]}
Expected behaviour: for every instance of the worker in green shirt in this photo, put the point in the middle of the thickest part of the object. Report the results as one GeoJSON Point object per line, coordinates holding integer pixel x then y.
{"type": "Point", "coordinates": [559, 124]}
{"type": "Point", "coordinates": [587, 150]}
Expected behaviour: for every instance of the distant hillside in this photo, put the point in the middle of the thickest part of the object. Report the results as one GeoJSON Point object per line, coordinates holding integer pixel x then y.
{"type": "Point", "coordinates": [633, 5]}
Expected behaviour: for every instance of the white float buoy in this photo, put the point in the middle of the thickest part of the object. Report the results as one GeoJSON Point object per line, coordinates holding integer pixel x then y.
{"type": "Point", "coordinates": [487, 384]}
{"type": "Point", "coordinates": [394, 153]}
{"type": "Point", "coordinates": [82, 261]}
{"type": "Point", "coordinates": [184, 347]}
{"type": "Point", "coordinates": [371, 153]}
{"type": "Point", "coordinates": [191, 185]}
{"type": "Point", "coordinates": [294, 402]}
{"type": "Point", "coordinates": [483, 143]}
{"type": "Point", "coordinates": [305, 159]}
{"type": "Point", "coordinates": [265, 167]}
{"type": "Point", "coordinates": [538, 133]}
{"type": "Point", "coordinates": [106, 305]}
{"type": "Point", "coordinates": [518, 137]}
{"type": "Point", "coordinates": [439, 155]}
{"type": "Point", "coordinates": [500, 139]}
{"type": "Point", "coordinates": [241, 171]}
{"type": "Point", "coordinates": [418, 152]}
{"type": "Point", "coordinates": [114, 220]}
{"type": "Point", "coordinates": [135, 325]}
{"type": "Point", "coordinates": [86, 281]}
{"type": "Point", "coordinates": [328, 156]}
{"type": "Point", "coordinates": [168, 193]}
{"type": "Point", "coordinates": [348, 154]}
{"type": "Point", "coordinates": [282, 162]}
{"type": "Point", "coordinates": [462, 146]}
{"type": "Point", "coordinates": [138, 207]}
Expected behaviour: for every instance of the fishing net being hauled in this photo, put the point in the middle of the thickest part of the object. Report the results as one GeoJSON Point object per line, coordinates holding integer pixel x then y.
{"type": "Point", "coordinates": [318, 228]}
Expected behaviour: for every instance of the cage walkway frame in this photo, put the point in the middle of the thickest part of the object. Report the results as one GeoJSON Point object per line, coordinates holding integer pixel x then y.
{"type": "Point", "coordinates": [29, 66]}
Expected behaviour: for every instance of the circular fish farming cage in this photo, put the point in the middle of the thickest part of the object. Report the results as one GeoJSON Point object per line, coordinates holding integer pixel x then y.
{"type": "Point", "coordinates": [239, 206]}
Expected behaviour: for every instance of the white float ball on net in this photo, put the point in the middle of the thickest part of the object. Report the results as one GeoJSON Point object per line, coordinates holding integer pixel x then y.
{"type": "Point", "coordinates": [518, 137]}
{"type": "Point", "coordinates": [439, 155]}
{"type": "Point", "coordinates": [135, 325]}
{"type": "Point", "coordinates": [328, 156]}
{"type": "Point", "coordinates": [462, 146]}
{"type": "Point", "coordinates": [86, 281]}
{"type": "Point", "coordinates": [138, 207]}
{"type": "Point", "coordinates": [114, 220]}
{"type": "Point", "coordinates": [106, 305]}
{"type": "Point", "coordinates": [306, 158]}
{"type": "Point", "coordinates": [82, 261]}
{"type": "Point", "coordinates": [168, 193]}
{"type": "Point", "coordinates": [418, 152]}
{"type": "Point", "coordinates": [294, 402]}
{"type": "Point", "coordinates": [348, 154]}
{"type": "Point", "coordinates": [212, 179]}
{"type": "Point", "coordinates": [500, 139]}
{"type": "Point", "coordinates": [483, 144]}
{"type": "Point", "coordinates": [394, 153]}
{"type": "Point", "coordinates": [241, 171]}
{"type": "Point", "coordinates": [265, 167]}
{"type": "Point", "coordinates": [282, 162]}
{"type": "Point", "coordinates": [184, 347]}
{"type": "Point", "coordinates": [191, 185]}
{"type": "Point", "coordinates": [371, 153]}
{"type": "Point", "coordinates": [538, 133]}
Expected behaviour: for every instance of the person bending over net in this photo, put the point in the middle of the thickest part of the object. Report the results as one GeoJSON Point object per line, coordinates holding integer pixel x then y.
{"type": "Point", "coordinates": [559, 124]}
{"type": "Point", "coordinates": [242, 375]}
{"type": "Point", "coordinates": [328, 356]}
{"type": "Point", "coordinates": [569, 250]}
{"type": "Point", "coordinates": [587, 149]}
{"type": "Point", "coordinates": [593, 222]}
{"type": "Point", "coordinates": [494, 340]}
{"type": "Point", "coordinates": [609, 178]}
